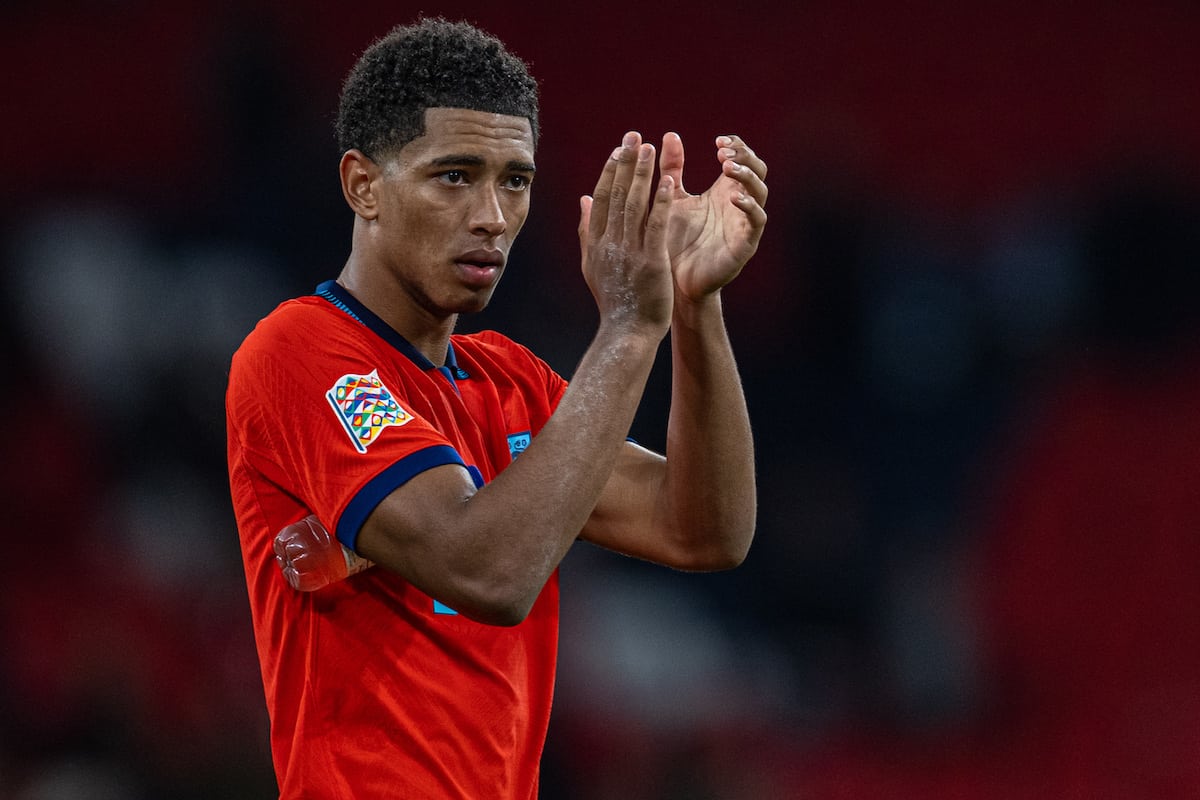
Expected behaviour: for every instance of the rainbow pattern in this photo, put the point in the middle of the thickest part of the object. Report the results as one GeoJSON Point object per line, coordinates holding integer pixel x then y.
{"type": "Point", "coordinates": [365, 407]}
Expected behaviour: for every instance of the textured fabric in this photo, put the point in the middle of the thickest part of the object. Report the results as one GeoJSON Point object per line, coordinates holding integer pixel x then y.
{"type": "Point", "coordinates": [374, 689]}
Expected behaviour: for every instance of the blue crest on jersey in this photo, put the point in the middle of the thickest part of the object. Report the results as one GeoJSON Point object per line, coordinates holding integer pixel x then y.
{"type": "Point", "coordinates": [517, 442]}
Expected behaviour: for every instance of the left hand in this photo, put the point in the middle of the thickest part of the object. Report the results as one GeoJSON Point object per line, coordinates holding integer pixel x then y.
{"type": "Point", "coordinates": [712, 235]}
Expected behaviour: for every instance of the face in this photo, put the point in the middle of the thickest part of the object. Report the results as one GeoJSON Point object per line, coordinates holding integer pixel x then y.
{"type": "Point", "coordinates": [450, 205]}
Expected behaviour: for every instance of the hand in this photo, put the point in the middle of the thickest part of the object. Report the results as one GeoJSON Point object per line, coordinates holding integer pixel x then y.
{"type": "Point", "coordinates": [624, 249]}
{"type": "Point", "coordinates": [711, 236]}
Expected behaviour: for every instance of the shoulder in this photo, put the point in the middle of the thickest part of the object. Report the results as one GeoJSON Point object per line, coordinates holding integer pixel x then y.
{"type": "Point", "coordinates": [292, 320]}
{"type": "Point", "coordinates": [301, 341]}
{"type": "Point", "coordinates": [296, 330]}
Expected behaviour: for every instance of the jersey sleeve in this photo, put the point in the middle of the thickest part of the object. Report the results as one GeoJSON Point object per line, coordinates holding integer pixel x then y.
{"type": "Point", "coordinates": [322, 422]}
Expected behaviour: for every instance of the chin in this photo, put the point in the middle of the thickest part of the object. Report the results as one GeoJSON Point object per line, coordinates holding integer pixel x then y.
{"type": "Point", "coordinates": [475, 303]}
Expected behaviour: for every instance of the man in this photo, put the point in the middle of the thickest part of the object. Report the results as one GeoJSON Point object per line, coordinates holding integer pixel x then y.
{"type": "Point", "coordinates": [463, 466]}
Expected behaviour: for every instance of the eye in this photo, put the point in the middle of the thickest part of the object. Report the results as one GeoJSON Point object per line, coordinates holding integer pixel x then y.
{"type": "Point", "coordinates": [517, 183]}
{"type": "Point", "coordinates": [453, 177]}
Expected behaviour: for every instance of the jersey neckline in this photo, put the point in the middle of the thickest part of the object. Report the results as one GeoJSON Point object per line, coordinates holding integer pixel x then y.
{"type": "Point", "coordinates": [337, 294]}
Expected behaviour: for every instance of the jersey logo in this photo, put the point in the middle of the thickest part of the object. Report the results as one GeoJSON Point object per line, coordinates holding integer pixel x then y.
{"type": "Point", "coordinates": [365, 407]}
{"type": "Point", "coordinates": [517, 442]}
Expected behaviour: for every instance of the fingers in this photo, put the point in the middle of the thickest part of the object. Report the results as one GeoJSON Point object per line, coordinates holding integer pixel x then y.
{"type": "Point", "coordinates": [598, 203]}
{"type": "Point", "coordinates": [608, 204]}
{"type": "Point", "coordinates": [660, 212]}
{"type": "Point", "coordinates": [626, 158]}
{"type": "Point", "coordinates": [617, 208]}
{"type": "Point", "coordinates": [608, 198]}
{"type": "Point", "coordinates": [585, 214]}
{"type": "Point", "coordinates": [741, 164]}
{"type": "Point", "coordinates": [731, 147]}
{"type": "Point", "coordinates": [638, 197]}
{"type": "Point", "coordinates": [623, 238]}
{"type": "Point", "coordinates": [617, 211]}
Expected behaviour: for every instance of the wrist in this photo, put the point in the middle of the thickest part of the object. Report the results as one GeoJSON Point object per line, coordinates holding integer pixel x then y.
{"type": "Point", "coordinates": [630, 339]}
{"type": "Point", "coordinates": [688, 312]}
{"type": "Point", "coordinates": [636, 323]}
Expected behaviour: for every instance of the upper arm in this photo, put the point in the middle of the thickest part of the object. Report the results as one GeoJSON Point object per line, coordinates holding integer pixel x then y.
{"type": "Point", "coordinates": [412, 531]}
{"type": "Point", "coordinates": [632, 515]}
{"type": "Point", "coordinates": [641, 513]}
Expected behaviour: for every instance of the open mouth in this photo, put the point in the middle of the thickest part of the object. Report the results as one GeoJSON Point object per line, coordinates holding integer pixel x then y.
{"type": "Point", "coordinates": [481, 267]}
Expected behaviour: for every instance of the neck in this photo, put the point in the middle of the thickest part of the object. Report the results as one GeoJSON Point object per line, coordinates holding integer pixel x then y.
{"type": "Point", "coordinates": [429, 333]}
{"type": "Point", "coordinates": [435, 345]}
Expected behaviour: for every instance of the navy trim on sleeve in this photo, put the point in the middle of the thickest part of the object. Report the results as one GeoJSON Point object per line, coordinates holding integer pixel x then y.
{"type": "Point", "coordinates": [476, 475]}
{"type": "Point", "coordinates": [384, 483]}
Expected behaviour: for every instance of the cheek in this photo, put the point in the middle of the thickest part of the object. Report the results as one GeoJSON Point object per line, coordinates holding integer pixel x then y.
{"type": "Point", "coordinates": [515, 217]}
{"type": "Point", "coordinates": [423, 226]}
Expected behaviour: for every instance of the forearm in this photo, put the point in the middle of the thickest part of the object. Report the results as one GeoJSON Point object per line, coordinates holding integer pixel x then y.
{"type": "Point", "coordinates": [491, 550]}
{"type": "Point", "coordinates": [488, 553]}
{"type": "Point", "coordinates": [550, 491]}
{"type": "Point", "coordinates": [709, 481]}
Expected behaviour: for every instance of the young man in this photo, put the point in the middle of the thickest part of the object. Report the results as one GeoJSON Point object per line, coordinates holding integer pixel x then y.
{"type": "Point", "coordinates": [462, 465]}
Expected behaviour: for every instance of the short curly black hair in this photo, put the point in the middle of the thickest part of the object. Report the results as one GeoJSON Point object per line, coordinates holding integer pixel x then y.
{"type": "Point", "coordinates": [433, 63]}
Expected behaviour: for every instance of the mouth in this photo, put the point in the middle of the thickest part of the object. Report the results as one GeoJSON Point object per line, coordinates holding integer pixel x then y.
{"type": "Point", "coordinates": [480, 268]}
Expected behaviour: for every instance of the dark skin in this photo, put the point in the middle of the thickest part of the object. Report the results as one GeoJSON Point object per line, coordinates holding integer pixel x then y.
{"type": "Point", "coordinates": [433, 227]}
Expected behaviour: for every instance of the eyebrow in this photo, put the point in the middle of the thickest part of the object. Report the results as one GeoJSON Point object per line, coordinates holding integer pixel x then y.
{"type": "Point", "coordinates": [462, 160]}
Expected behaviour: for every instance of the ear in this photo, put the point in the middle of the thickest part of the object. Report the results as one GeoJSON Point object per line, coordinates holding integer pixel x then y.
{"type": "Point", "coordinates": [358, 183]}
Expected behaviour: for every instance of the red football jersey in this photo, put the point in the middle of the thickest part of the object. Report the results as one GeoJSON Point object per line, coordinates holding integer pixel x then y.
{"type": "Point", "coordinates": [375, 689]}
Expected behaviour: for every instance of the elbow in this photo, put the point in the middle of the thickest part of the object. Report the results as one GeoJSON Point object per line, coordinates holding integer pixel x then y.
{"type": "Point", "coordinates": [500, 604]}
{"type": "Point", "coordinates": [715, 538]}
{"type": "Point", "coordinates": [723, 559]}
{"type": "Point", "coordinates": [719, 552]}
{"type": "Point", "coordinates": [498, 614]}
{"type": "Point", "coordinates": [731, 558]}
{"type": "Point", "coordinates": [722, 534]}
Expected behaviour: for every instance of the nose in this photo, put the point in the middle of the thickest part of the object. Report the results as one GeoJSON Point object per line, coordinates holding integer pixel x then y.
{"type": "Point", "coordinates": [487, 217]}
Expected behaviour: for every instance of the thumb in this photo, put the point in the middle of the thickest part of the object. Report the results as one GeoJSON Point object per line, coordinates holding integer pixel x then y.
{"type": "Point", "coordinates": [670, 162]}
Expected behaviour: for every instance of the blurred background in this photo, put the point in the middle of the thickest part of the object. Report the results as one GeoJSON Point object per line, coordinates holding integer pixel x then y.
{"type": "Point", "coordinates": [969, 344]}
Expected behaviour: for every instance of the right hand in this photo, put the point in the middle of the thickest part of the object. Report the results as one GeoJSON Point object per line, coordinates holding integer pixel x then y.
{"type": "Point", "coordinates": [624, 249]}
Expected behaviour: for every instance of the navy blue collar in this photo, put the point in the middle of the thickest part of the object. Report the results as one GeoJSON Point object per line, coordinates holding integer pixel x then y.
{"type": "Point", "coordinates": [337, 294]}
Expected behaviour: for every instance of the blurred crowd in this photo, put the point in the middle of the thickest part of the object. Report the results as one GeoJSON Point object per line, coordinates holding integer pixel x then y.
{"type": "Point", "coordinates": [976, 567]}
